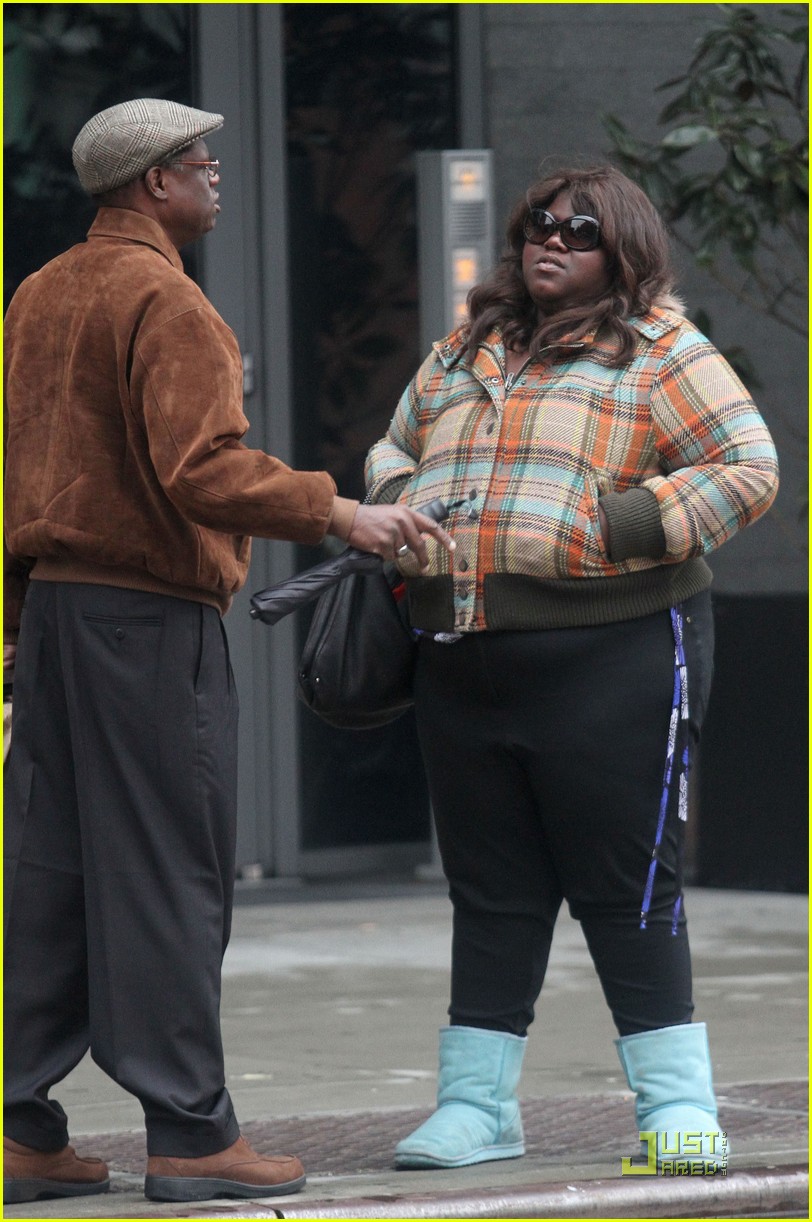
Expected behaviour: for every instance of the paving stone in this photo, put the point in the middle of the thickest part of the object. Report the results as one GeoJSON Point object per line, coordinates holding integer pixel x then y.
{"type": "Point", "coordinates": [582, 1128]}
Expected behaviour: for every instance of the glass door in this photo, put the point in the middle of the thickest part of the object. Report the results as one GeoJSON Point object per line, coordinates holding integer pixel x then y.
{"type": "Point", "coordinates": [367, 86]}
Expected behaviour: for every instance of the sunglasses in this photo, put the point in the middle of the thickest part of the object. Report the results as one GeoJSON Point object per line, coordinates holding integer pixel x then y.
{"type": "Point", "coordinates": [576, 232]}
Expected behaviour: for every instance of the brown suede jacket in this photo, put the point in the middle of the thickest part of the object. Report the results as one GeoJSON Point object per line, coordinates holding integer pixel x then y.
{"type": "Point", "coordinates": [124, 459]}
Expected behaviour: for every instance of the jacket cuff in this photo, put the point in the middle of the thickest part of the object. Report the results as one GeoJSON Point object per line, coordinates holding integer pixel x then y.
{"type": "Point", "coordinates": [635, 525]}
{"type": "Point", "coordinates": [342, 517]}
{"type": "Point", "coordinates": [389, 494]}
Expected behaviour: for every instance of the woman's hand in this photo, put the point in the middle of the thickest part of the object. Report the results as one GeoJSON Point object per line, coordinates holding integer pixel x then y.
{"type": "Point", "coordinates": [385, 529]}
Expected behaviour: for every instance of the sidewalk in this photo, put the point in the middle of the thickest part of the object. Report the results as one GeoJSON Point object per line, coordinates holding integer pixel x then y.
{"type": "Point", "coordinates": [332, 1000]}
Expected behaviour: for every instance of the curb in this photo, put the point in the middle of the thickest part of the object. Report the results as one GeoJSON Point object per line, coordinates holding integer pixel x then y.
{"type": "Point", "coordinates": [757, 1191]}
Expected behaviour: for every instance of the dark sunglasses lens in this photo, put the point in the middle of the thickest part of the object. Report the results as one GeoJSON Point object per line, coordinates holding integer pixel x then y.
{"type": "Point", "coordinates": [538, 226]}
{"type": "Point", "coordinates": [581, 233]}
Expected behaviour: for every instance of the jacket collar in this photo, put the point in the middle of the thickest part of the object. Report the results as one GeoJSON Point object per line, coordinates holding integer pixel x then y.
{"type": "Point", "coordinates": [451, 349]}
{"type": "Point", "coordinates": [659, 320]}
{"type": "Point", "coordinates": [135, 227]}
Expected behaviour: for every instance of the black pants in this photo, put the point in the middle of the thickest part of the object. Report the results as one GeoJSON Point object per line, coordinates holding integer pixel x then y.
{"type": "Point", "coordinates": [546, 757]}
{"type": "Point", "coordinates": [120, 826]}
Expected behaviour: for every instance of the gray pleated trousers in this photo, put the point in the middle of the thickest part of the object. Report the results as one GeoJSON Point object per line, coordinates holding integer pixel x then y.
{"type": "Point", "coordinates": [120, 824]}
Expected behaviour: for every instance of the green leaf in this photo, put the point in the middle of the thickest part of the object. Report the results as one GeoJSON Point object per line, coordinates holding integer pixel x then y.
{"type": "Point", "coordinates": [800, 175]}
{"type": "Point", "coordinates": [689, 137]}
{"type": "Point", "coordinates": [750, 158]}
{"type": "Point", "coordinates": [701, 319]}
{"type": "Point", "coordinates": [740, 362]}
{"type": "Point", "coordinates": [739, 94]}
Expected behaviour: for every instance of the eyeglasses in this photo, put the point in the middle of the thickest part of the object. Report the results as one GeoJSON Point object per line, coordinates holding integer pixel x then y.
{"type": "Point", "coordinates": [576, 232]}
{"type": "Point", "coordinates": [212, 167]}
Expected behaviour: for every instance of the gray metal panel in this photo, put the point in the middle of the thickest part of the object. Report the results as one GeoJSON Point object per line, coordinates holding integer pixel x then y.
{"type": "Point", "coordinates": [245, 276]}
{"type": "Point", "coordinates": [470, 76]}
{"type": "Point", "coordinates": [446, 224]}
{"type": "Point", "coordinates": [430, 250]}
{"type": "Point", "coordinates": [279, 754]}
{"type": "Point", "coordinates": [366, 859]}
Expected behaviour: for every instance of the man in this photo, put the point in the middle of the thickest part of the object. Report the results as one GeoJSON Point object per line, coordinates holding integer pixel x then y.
{"type": "Point", "coordinates": [130, 499]}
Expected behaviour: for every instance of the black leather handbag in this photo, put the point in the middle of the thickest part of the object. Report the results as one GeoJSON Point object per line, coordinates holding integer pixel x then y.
{"type": "Point", "coordinates": [357, 667]}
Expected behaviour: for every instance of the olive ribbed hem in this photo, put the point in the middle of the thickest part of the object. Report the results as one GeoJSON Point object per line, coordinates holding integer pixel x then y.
{"type": "Point", "coordinates": [513, 601]}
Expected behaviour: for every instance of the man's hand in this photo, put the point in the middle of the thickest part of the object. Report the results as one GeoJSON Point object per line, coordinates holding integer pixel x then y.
{"type": "Point", "coordinates": [9, 654]}
{"type": "Point", "coordinates": [384, 529]}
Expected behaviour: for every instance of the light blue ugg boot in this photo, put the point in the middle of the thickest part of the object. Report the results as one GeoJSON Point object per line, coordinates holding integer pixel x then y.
{"type": "Point", "coordinates": [670, 1072]}
{"type": "Point", "coordinates": [477, 1117]}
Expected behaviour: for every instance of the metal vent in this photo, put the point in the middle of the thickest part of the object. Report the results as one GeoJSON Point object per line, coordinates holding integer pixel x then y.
{"type": "Point", "coordinates": [468, 222]}
{"type": "Point", "coordinates": [456, 242]}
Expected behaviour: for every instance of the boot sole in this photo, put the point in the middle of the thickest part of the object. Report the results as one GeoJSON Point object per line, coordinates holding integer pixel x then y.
{"type": "Point", "coordinates": [15, 1192]}
{"type": "Point", "coordinates": [429, 1162]}
{"type": "Point", "coordinates": [189, 1188]}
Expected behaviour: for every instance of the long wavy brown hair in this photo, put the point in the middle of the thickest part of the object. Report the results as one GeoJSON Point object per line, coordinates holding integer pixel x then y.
{"type": "Point", "coordinates": [639, 263]}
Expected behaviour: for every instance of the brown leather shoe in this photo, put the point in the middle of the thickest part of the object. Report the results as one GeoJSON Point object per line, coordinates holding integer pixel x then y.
{"type": "Point", "coordinates": [31, 1174]}
{"type": "Point", "coordinates": [235, 1172]}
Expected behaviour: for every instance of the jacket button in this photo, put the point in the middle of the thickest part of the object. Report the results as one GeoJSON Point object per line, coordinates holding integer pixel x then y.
{"type": "Point", "coordinates": [120, 633]}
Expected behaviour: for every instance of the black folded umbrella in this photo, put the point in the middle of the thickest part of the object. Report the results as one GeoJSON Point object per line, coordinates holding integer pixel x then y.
{"type": "Point", "coordinates": [279, 600]}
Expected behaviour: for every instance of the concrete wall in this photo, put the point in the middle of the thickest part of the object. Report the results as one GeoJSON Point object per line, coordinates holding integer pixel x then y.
{"type": "Point", "coordinates": [551, 72]}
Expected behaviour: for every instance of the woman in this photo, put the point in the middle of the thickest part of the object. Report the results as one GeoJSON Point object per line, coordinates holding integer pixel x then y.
{"type": "Point", "coordinates": [601, 447]}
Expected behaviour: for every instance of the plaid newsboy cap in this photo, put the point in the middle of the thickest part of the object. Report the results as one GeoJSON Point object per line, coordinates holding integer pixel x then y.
{"type": "Point", "coordinates": [120, 143]}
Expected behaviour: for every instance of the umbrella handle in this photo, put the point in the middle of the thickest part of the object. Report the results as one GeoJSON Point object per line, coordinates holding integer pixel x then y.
{"type": "Point", "coordinates": [277, 601]}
